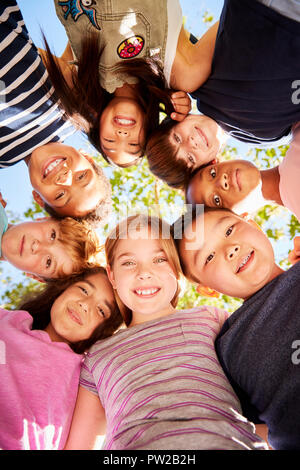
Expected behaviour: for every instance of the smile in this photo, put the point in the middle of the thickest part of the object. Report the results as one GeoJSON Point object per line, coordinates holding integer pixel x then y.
{"type": "Point", "coordinates": [245, 262]}
{"type": "Point", "coordinates": [149, 292]}
{"type": "Point", "coordinates": [202, 136]}
{"type": "Point", "coordinates": [74, 316]}
{"type": "Point", "coordinates": [124, 121]}
{"type": "Point", "coordinates": [51, 165]}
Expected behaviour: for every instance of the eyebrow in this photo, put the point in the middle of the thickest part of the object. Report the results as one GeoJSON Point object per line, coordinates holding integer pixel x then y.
{"type": "Point", "coordinates": [214, 229]}
{"type": "Point", "coordinates": [106, 302]}
{"type": "Point", "coordinates": [114, 151]}
{"type": "Point", "coordinates": [156, 252]}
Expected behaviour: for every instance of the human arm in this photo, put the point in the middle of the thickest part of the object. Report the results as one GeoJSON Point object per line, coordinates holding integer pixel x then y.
{"type": "Point", "coordinates": [88, 421]}
{"type": "Point", "coordinates": [294, 255]}
{"type": "Point", "coordinates": [262, 431]}
{"type": "Point", "coordinates": [192, 63]}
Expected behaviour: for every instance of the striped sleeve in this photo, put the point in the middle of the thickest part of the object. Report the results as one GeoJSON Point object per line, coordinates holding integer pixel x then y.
{"type": "Point", "coordinates": [29, 115]}
{"type": "Point", "coordinates": [86, 377]}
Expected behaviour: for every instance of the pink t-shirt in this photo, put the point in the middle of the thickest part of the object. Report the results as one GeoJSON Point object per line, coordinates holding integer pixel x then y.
{"type": "Point", "coordinates": [38, 385]}
{"type": "Point", "coordinates": [289, 171]}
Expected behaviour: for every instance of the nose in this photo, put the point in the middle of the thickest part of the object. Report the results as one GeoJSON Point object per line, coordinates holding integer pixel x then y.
{"type": "Point", "coordinates": [224, 181]}
{"type": "Point", "coordinates": [144, 273]}
{"type": "Point", "coordinates": [64, 177]}
{"type": "Point", "coordinates": [122, 132]}
{"type": "Point", "coordinates": [35, 246]}
{"type": "Point", "coordinates": [192, 142]}
{"type": "Point", "coordinates": [232, 251]}
{"type": "Point", "coordinates": [83, 306]}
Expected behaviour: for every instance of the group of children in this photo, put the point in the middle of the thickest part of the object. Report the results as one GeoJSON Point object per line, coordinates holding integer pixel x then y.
{"type": "Point", "coordinates": [150, 376]}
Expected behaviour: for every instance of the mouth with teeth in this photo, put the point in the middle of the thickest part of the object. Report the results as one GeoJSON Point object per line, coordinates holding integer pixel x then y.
{"type": "Point", "coordinates": [51, 165]}
{"type": "Point", "coordinates": [245, 262]}
{"type": "Point", "coordinates": [124, 121]}
{"type": "Point", "coordinates": [147, 292]}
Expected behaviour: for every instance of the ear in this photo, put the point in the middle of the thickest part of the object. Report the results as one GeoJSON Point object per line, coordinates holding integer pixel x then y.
{"type": "Point", "coordinates": [35, 277]}
{"type": "Point", "coordinates": [207, 291]}
{"type": "Point", "coordinates": [110, 276]}
{"type": "Point", "coordinates": [38, 199]}
{"type": "Point", "coordinates": [251, 221]}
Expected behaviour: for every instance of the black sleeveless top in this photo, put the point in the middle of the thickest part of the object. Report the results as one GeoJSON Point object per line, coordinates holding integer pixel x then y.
{"type": "Point", "coordinates": [254, 89]}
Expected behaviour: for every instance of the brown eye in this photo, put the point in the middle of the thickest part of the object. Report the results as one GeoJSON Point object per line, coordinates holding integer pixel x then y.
{"type": "Point", "coordinates": [217, 200]}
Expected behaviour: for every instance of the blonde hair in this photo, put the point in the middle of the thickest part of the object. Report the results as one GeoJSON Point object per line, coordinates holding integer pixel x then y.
{"type": "Point", "coordinates": [81, 243]}
{"type": "Point", "coordinates": [167, 244]}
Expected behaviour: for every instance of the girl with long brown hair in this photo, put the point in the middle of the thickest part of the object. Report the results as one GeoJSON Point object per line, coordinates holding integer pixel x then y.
{"type": "Point", "coordinates": [120, 66]}
{"type": "Point", "coordinates": [41, 351]}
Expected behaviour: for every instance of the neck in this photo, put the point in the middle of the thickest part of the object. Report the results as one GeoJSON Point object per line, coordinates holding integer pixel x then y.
{"type": "Point", "coordinates": [53, 335]}
{"type": "Point", "coordinates": [141, 317]}
{"type": "Point", "coordinates": [270, 185]}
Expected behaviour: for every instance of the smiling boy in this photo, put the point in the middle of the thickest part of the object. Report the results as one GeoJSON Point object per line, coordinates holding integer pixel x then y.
{"type": "Point", "coordinates": [235, 257]}
{"type": "Point", "coordinates": [48, 248]}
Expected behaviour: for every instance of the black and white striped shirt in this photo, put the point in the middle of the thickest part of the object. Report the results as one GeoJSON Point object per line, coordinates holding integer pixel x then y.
{"type": "Point", "coordinates": [28, 116]}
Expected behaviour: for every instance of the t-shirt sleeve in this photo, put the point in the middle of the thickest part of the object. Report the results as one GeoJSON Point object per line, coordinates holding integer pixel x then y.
{"type": "Point", "coordinates": [289, 171]}
{"type": "Point", "coordinates": [174, 27]}
{"type": "Point", "coordinates": [86, 377]}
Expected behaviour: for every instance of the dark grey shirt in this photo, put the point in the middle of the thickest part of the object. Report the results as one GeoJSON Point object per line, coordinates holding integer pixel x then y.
{"type": "Point", "coordinates": [256, 348]}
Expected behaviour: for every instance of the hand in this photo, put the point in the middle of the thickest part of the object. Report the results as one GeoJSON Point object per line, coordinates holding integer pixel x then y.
{"type": "Point", "coordinates": [294, 255]}
{"type": "Point", "coordinates": [182, 105]}
{"type": "Point", "coordinates": [2, 201]}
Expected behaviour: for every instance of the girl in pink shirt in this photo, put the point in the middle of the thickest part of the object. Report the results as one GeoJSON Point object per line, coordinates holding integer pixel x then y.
{"type": "Point", "coordinates": [41, 350]}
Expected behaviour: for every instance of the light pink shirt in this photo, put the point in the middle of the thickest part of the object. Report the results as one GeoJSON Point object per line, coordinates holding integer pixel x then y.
{"type": "Point", "coordinates": [289, 170]}
{"type": "Point", "coordinates": [38, 385]}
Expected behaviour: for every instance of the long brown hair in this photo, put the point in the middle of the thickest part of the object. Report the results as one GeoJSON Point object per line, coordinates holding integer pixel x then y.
{"type": "Point", "coordinates": [39, 304]}
{"type": "Point", "coordinates": [85, 100]}
{"type": "Point", "coordinates": [161, 156]}
{"type": "Point", "coordinates": [167, 244]}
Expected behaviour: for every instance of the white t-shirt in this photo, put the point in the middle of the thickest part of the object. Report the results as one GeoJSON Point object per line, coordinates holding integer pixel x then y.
{"type": "Point", "coordinates": [289, 171]}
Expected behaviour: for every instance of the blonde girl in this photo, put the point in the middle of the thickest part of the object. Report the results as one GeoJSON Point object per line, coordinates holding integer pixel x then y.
{"type": "Point", "coordinates": [156, 384]}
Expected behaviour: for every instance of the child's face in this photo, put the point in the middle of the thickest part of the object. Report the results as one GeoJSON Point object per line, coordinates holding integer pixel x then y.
{"type": "Point", "coordinates": [225, 184]}
{"type": "Point", "coordinates": [82, 307]}
{"type": "Point", "coordinates": [230, 255]}
{"type": "Point", "coordinates": [143, 276]}
{"type": "Point", "coordinates": [197, 139]}
{"type": "Point", "coordinates": [34, 247]}
{"type": "Point", "coordinates": [64, 179]}
{"type": "Point", "coordinates": [122, 134]}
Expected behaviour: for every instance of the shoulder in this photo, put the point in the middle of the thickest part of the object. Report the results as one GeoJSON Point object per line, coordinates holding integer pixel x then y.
{"type": "Point", "coordinates": [207, 311]}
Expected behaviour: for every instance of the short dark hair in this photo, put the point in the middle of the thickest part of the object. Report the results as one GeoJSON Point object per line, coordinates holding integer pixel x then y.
{"type": "Point", "coordinates": [99, 215]}
{"type": "Point", "coordinates": [161, 155]}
